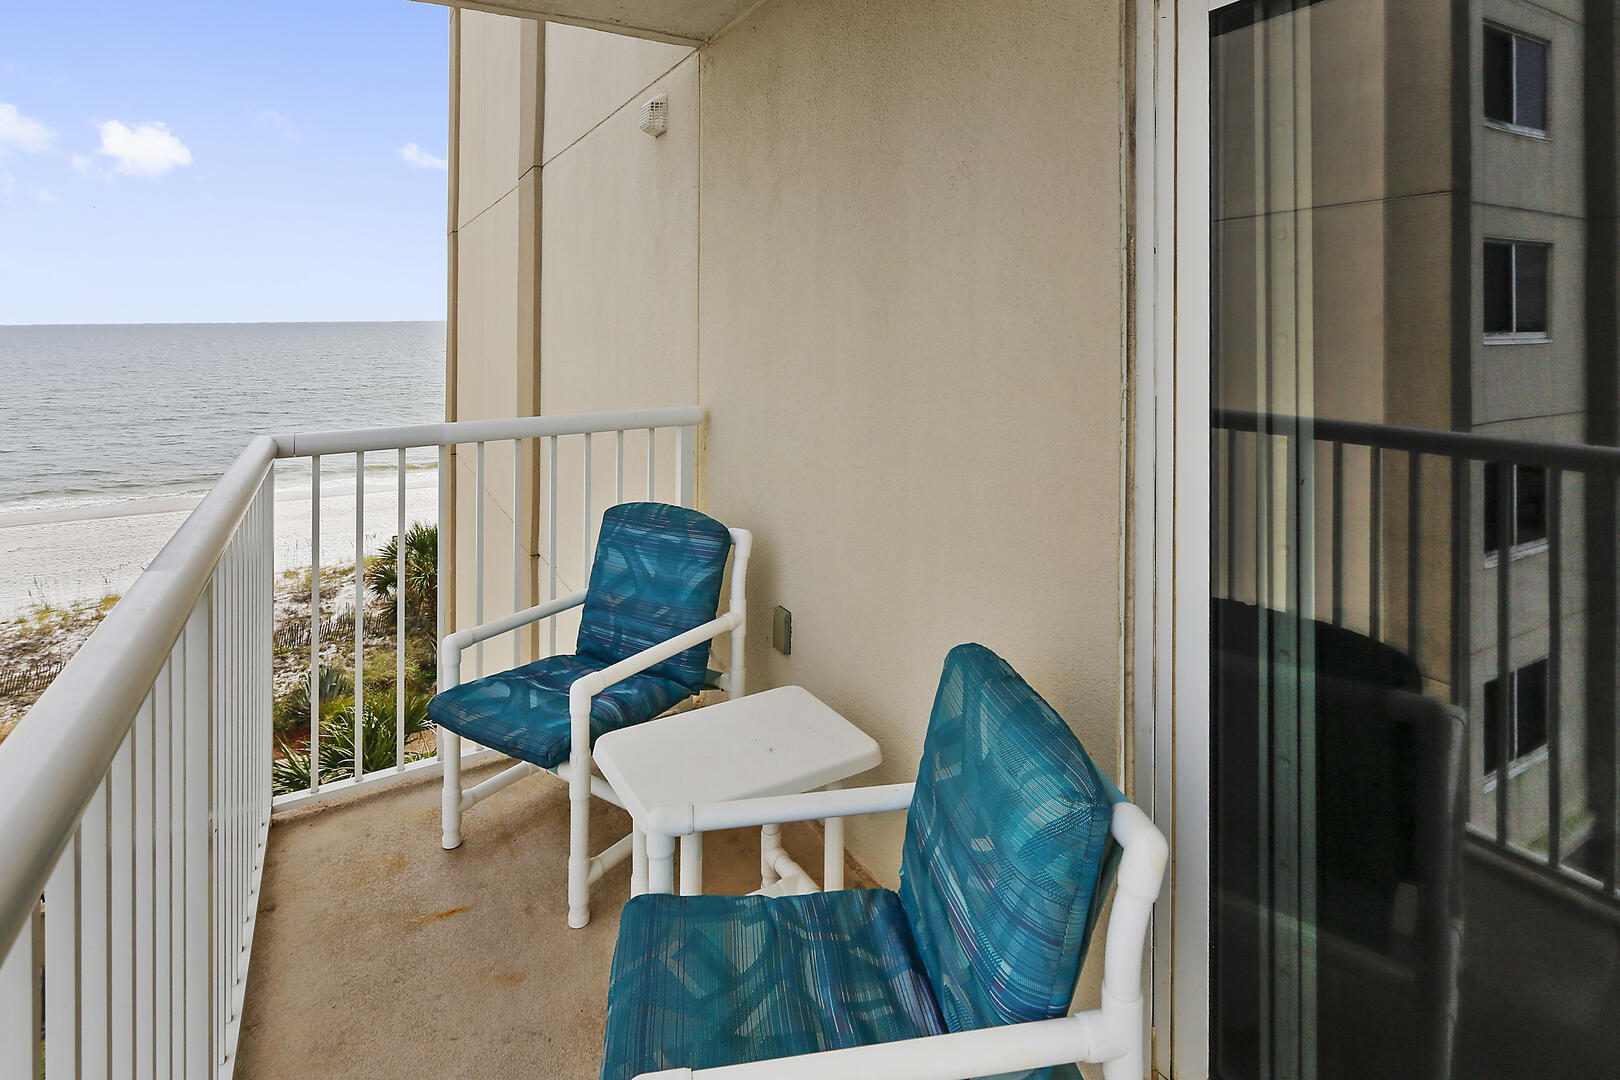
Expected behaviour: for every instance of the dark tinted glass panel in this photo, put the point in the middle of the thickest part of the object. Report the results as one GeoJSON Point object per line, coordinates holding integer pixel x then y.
{"type": "Point", "coordinates": [1388, 898]}
{"type": "Point", "coordinates": [1530, 89]}
{"type": "Point", "coordinates": [1530, 498]}
{"type": "Point", "coordinates": [1530, 725]}
{"type": "Point", "coordinates": [1530, 288]}
{"type": "Point", "coordinates": [1498, 75]}
{"type": "Point", "coordinates": [1498, 287]}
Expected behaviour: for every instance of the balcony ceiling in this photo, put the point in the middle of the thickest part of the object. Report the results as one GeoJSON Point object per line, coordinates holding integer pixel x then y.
{"type": "Point", "coordinates": [683, 22]}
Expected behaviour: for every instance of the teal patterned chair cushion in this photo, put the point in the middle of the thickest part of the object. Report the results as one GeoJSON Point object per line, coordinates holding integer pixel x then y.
{"type": "Point", "coordinates": [1006, 845]}
{"type": "Point", "coordinates": [700, 981]}
{"type": "Point", "coordinates": [523, 713]}
{"type": "Point", "coordinates": [1006, 861]}
{"type": "Point", "coordinates": [657, 574]}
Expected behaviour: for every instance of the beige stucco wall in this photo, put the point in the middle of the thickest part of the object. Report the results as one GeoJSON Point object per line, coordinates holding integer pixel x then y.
{"type": "Point", "coordinates": [910, 349]}
{"type": "Point", "coordinates": [494, 214]}
{"type": "Point", "coordinates": [881, 242]}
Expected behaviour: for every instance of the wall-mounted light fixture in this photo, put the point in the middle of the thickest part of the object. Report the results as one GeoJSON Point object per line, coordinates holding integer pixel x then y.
{"type": "Point", "coordinates": [655, 115]}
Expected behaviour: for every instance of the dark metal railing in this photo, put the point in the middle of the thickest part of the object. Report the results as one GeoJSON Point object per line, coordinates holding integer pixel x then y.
{"type": "Point", "coordinates": [1316, 446]}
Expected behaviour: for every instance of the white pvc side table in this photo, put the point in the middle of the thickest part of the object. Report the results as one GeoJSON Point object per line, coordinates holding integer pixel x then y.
{"type": "Point", "coordinates": [779, 742]}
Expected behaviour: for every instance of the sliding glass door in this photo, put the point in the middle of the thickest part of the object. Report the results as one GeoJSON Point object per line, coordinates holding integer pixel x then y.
{"type": "Point", "coordinates": [1414, 364]}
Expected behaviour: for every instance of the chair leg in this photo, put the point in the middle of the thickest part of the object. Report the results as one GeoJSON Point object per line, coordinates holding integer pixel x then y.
{"type": "Point", "coordinates": [450, 808]}
{"type": "Point", "coordinates": [579, 844]}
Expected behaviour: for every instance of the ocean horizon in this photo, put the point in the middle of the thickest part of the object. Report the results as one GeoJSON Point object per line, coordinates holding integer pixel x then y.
{"type": "Point", "coordinates": [114, 431]}
{"type": "Point", "coordinates": [102, 416]}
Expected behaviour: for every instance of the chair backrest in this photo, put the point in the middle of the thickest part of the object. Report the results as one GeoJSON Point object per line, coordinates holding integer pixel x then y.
{"type": "Point", "coordinates": [657, 574]}
{"type": "Point", "coordinates": [1006, 845]}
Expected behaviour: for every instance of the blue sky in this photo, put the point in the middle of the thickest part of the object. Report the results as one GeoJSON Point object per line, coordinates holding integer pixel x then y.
{"type": "Point", "coordinates": [222, 162]}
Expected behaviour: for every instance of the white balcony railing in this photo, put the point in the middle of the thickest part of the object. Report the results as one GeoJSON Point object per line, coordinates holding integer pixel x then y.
{"type": "Point", "coordinates": [135, 796]}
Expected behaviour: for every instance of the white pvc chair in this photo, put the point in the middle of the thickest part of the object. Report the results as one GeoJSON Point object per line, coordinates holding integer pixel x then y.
{"type": "Point", "coordinates": [699, 983]}
{"type": "Point", "coordinates": [548, 714]}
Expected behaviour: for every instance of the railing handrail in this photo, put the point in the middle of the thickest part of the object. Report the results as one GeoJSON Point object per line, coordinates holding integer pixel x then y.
{"type": "Point", "coordinates": [1579, 457]}
{"type": "Point", "coordinates": [54, 761]}
{"type": "Point", "coordinates": [363, 440]}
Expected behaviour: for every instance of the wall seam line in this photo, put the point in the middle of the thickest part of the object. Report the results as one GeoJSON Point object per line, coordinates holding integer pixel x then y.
{"type": "Point", "coordinates": [617, 109]}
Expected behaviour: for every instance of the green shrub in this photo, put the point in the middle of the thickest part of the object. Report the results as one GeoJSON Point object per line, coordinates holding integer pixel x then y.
{"type": "Point", "coordinates": [291, 710]}
{"type": "Point", "coordinates": [377, 752]}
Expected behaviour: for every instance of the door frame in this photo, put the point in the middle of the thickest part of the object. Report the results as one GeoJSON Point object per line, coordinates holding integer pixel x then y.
{"type": "Point", "coordinates": [1170, 489]}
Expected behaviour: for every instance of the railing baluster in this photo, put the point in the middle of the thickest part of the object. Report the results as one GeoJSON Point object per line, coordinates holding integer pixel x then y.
{"type": "Point", "coordinates": [162, 879]}
{"type": "Point", "coordinates": [1231, 514]}
{"type": "Point", "coordinates": [199, 634]}
{"type": "Point", "coordinates": [652, 459]}
{"type": "Point", "coordinates": [551, 535]}
{"type": "Point", "coordinates": [1505, 696]}
{"type": "Point", "coordinates": [20, 1057]}
{"type": "Point", "coordinates": [517, 546]}
{"type": "Point", "coordinates": [178, 680]}
{"type": "Point", "coordinates": [1611, 871]}
{"type": "Point", "coordinates": [399, 623]}
{"type": "Point", "coordinates": [480, 496]}
{"type": "Point", "coordinates": [618, 467]}
{"type": "Point", "coordinates": [1414, 524]}
{"type": "Point", "coordinates": [315, 623]}
{"type": "Point", "coordinates": [585, 515]}
{"type": "Point", "coordinates": [143, 914]}
{"type": "Point", "coordinates": [95, 893]}
{"type": "Point", "coordinates": [1336, 515]}
{"type": "Point", "coordinates": [121, 922]}
{"type": "Point", "coordinates": [441, 557]}
{"type": "Point", "coordinates": [1375, 544]}
{"type": "Point", "coordinates": [686, 466]}
{"type": "Point", "coordinates": [1555, 666]}
{"type": "Point", "coordinates": [64, 983]}
{"type": "Point", "coordinates": [359, 614]}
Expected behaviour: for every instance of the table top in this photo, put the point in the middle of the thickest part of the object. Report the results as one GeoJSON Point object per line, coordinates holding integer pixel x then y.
{"type": "Point", "coordinates": [778, 742]}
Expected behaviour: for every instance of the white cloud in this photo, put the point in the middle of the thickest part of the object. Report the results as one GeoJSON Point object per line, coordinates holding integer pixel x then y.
{"type": "Point", "coordinates": [421, 158]}
{"type": "Point", "coordinates": [278, 123]}
{"type": "Point", "coordinates": [45, 196]}
{"type": "Point", "coordinates": [8, 184]}
{"type": "Point", "coordinates": [143, 150]}
{"type": "Point", "coordinates": [19, 132]}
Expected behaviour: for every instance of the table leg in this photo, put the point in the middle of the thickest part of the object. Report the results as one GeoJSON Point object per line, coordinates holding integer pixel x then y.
{"type": "Point", "coordinates": [638, 862]}
{"type": "Point", "coordinates": [692, 865]}
{"type": "Point", "coordinates": [770, 842]}
{"type": "Point", "coordinates": [832, 857]}
{"type": "Point", "coordinates": [660, 863]}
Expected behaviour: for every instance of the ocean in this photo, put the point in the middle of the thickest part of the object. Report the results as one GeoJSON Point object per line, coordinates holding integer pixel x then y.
{"type": "Point", "coordinates": [111, 433]}
{"type": "Point", "coordinates": [95, 416]}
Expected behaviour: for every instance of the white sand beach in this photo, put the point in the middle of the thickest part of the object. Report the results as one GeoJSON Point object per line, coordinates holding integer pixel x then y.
{"type": "Point", "coordinates": [59, 558]}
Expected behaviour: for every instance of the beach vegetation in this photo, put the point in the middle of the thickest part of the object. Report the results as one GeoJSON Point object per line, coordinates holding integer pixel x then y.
{"type": "Point", "coordinates": [335, 693]}
{"type": "Point", "coordinates": [291, 769]}
{"type": "Point", "coordinates": [421, 574]}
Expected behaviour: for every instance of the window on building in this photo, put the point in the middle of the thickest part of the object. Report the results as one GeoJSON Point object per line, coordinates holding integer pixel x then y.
{"type": "Point", "coordinates": [1515, 81]}
{"type": "Point", "coordinates": [1516, 279]}
{"type": "Point", "coordinates": [1529, 502]}
{"type": "Point", "coordinates": [1528, 716]}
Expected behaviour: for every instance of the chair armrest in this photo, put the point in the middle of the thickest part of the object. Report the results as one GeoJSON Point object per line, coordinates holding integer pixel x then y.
{"type": "Point", "coordinates": [779, 809]}
{"type": "Point", "coordinates": [472, 635]}
{"type": "Point", "coordinates": [450, 649]}
{"type": "Point", "coordinates": [1087, 1036]}
{"type": "Point", "coordinates": [586, 687]}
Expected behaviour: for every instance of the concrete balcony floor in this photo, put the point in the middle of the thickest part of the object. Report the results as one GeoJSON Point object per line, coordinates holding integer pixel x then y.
{"type": "Point", "coordinates": [379, 954]}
